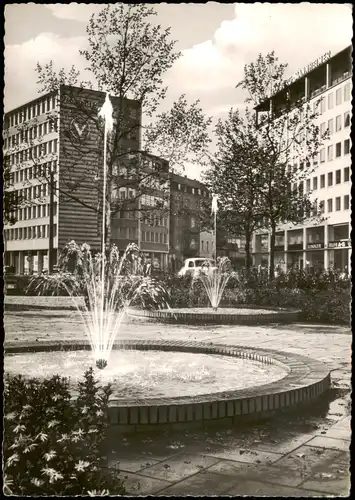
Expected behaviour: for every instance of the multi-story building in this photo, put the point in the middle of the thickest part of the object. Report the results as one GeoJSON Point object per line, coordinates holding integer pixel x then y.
{"type": "Point", "coordinates": [325, 83]}
{"type": "Point", "coordinates": [185, 205]}
{"type": "Point", "coordinates": [55, 142]}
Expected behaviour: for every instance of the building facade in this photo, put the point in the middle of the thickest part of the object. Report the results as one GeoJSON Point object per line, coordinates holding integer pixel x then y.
{"type": "Point", "coordinates": [186, 196]}
{"type": "Point", "coordinates": [55, 143]}
{"type": "Point", "coordinates": [326, 244]}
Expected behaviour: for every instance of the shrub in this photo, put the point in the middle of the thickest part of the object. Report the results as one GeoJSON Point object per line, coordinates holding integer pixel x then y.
{"type": "Point", "coordinates": [52, 442]}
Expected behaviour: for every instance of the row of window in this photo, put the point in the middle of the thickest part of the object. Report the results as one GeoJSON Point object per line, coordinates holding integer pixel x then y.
{"type": "Point", "coordinates": [330, 151]}
{"type": "Point", "coordinates": [34, 152]}
{"type": "Point", "coordinates": [34, 172]}
{"type": "Point", "coordinates": [30, 111]}
{"type": "Point", "coordinates": [207, 246]}
{"type": "Point", "coordinates": [35, 212]}
{"type": "Point", "coordinates": [332, 177]}
{"type": "Point", "coordinates": [34, 132]}
{"type": "Point", "coordinates": [340, 121]}
{"type": "Point", "coordinates": [28, 233]}
{"type": "Point", "coordinates": [34, 192]}
{"type": "Point", "coordinates": [336, 206]}
{"type": "Point", "coordinates": [192, 190]}
{"type": "Point", "coordinates": [341, 94]}
{"type": "Point", "coordinates": [153, 237]}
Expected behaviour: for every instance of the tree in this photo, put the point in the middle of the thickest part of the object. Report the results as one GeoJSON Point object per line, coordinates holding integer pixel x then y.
{"type": "Point", "coordinates": [236, 178]}
{"type": "Point", "coordinates": [288, 140]}
{"type": "Point", "coordinates": [12, 199]}
{"type": "Point", "coordinates": [127, 57]}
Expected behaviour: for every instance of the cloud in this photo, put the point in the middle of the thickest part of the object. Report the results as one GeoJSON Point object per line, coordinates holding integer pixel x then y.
{"type": "Point", "coordinates": [74, 11]}
{"type": "Point", "coordinates": [21, 61]}
{"type": "Point", "coordinates": [298, 33]}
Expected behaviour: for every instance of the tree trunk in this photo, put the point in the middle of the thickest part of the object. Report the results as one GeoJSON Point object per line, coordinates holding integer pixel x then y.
{"type": "Point", "coordinates": [272, 252]}
{"type": "Point", "coordinates": [247, 250]}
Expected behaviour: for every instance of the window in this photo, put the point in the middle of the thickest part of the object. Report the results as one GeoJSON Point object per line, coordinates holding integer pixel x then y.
{"type": "Point", "coordinates": [346, 174]}
{"type": "Point", "coordinates": [321, 206]}
{"type": "Point", "coordinates": [338, 95]}
{"type": "Point", "coordinates": [337, 203]}
{"type": "Point", "coordinates": [347, 92]}
{"type": "Point", "coordinates": [308, 185]}
{"type": "Point", "coordinates": [330, 179]}
{"type": "Point", "coordinates": [338, 123]}
{"type": "Point", "coordinates": [330, 101]}
{"type": "Point", "coordinates": [322, 155]}
{"type": "Point", "coordinates": [322, 181]}
{"type": "Point", "coordinates": [330, 153]}
{"type": "Point", "coordinates": [338, 149]}
{"type": "Point", "coordinates": [315, 183]}
{"type": "Point", "coordinates": [347, 146]}
{"type": "Point", "coordinates": [346, 119]}
{"type": "Point", "coordinates": [330, 205]}
{"type": "Point", "coordinates": [338, 177]}
{"type": "Point", "coordinates": [322, 106]}
{"type": "Point", "coordinates": [322, 128]}
{"type": "Point", "coordinates": [165, 238]}
{"type": "Point", "coordinates": [346, 202]}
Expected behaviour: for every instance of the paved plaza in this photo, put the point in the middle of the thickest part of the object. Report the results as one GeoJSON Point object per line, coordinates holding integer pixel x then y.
{"type": "Point", "coordinates": [302, 453]}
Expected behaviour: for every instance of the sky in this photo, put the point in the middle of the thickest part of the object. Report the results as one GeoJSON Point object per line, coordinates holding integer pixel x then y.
{"type": "Point", "coordinates": [216, 41]}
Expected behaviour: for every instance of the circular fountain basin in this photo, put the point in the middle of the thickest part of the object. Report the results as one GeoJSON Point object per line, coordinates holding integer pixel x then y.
{"type": "Point", "coordinates": [240, 315]}
{"type": "Point", "coordinates": [177, 384]}
{"type": "Point", "coordinates": [151, 374]}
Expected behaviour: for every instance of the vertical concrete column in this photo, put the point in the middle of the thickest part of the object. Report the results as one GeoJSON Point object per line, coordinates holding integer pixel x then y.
{"type": "Point", "coordinates": [328, 75]}
{"type": "Point", "coordinates": [304, 255]}
{"type": "Point", "coordinates": [326, 240]}
{"type": "Point", "coordinates": [21, 262]}
{"type": "Point", "coordinates": [306, 87]}
{"type": "Point", "coordinates": [40, 261]}
{"type": "Point", "coordinates": [30, 264]}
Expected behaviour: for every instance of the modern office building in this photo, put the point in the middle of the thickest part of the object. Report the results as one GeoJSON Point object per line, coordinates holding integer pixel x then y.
{"type": "Point", "coordinates": [327, 244]}
{"type": "Point", "coordinates": [55, 142]}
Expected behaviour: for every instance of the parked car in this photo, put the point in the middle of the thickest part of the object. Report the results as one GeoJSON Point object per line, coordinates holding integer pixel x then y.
{"type": "Point", "coordinates": [195, 265]}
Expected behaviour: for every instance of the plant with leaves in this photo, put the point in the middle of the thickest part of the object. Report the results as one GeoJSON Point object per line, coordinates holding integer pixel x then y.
{"type": "Point", "coordinates": [289, 141]}
{"type": "Point", "coordinates": [236, 177]}
{"type": "Point", "coordinates": [127, 56]}
{"type": "Point", "coordinates": [54, 442]}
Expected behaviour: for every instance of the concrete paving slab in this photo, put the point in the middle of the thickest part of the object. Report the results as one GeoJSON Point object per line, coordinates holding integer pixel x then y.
{"type": "Point", "coordinates": [251, 456]}
{"type": "Point", "coordinates": [179, 467]}
{"type": "Point", "coordinates": [330, 443]}
{"type": "Point", "coordinates": [204, 483]}
{"type": "Point", "coordinates": [260, 489]}
{"type": "Point", "coordinates": [284, 446]}
{"type": "Point", "coordinates": [136, 484]}
{"type": "Point", "coordinates": [309, 460]}
{"type": "Point", "coordinates": [133, 464]}
{"type": "Point", "coordinates": [271, 473]}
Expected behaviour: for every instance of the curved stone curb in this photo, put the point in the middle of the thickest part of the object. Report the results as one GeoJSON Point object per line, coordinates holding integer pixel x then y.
{"type": "Point", "coordinates": [306, 379]}
{"type": "Point", "coordinates": [174, 316]}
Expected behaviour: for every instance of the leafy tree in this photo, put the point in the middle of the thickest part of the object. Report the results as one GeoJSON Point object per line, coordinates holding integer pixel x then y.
{"type": "Point", "coordinates": [12, 199]}
{"type": "Point", "coordinates": [288, 141]}
{"type": "Point", "coordinates": [127, 56]}
{"type": "Point", "coordinates": [235, 177]}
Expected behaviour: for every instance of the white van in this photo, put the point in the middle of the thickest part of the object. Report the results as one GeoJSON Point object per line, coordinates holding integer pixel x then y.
{"type": "Point", "coordinates": [195, 265]}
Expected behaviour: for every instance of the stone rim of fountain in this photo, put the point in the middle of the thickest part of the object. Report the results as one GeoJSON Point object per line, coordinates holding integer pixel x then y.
{"type": "Point", "coordinates": [306, 379]}
{"type": "Point", "coordinates": [221, 316]}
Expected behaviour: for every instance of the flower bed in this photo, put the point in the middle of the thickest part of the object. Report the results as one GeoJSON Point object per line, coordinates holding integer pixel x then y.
{"type": "Point", "coordinates": [52, 442]}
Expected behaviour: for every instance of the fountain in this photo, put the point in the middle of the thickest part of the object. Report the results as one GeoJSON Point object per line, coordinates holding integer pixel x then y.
{"type": "Point", "coordinates": [215, 280]}
{"type": "Point", "coordinates": [161, 387]}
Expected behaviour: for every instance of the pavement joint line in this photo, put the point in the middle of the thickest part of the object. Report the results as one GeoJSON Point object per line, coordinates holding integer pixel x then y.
{"type": "Point", "coordinates": [292, 451]}
{"type": "Point", "coordinates": [191, 475]}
